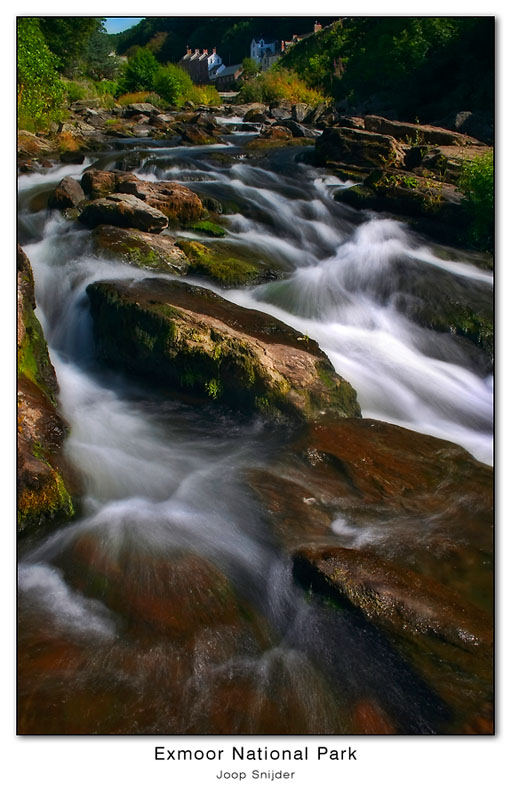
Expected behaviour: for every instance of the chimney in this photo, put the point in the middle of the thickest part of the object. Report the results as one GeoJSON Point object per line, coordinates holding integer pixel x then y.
{"type": "Point", "coordinates": [196, 51]}
{"type": "Point", "coordinates": [204, 52]}
{"type": "Point", "coordinates": [188, 50]}
{"type": "Point", "coordinates": [214, 51]}
{"type": "Point", "coordinates": [317, 27]}
{"type": "Point", "coordinates": [282, 46]}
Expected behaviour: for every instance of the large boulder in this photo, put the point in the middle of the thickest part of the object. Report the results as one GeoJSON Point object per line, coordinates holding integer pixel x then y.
{"type": "Point", "coordinates": [413, 133]}
{"type": "Point", "coordinates": [67, 194]}
{"type": "Point", "coordinates": [354, 146]}
{"type": "Point", "coordinates": [124, 210]}
{"type": "Point", "coordinates": [44, 480]}
{"type": "Point", "coordinates": [188, 338]}
{"type": "Point", "coordinates": [395, 528]}
{"type": "Point", "coordinates": [177, 202]}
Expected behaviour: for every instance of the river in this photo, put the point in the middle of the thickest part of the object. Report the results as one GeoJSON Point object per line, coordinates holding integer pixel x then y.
{"type": "Point", "coordinates": [163, 477]}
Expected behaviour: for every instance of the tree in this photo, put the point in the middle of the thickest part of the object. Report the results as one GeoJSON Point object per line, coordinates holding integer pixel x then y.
{"type": "Point", "coordinates": [68, 37]}
{"type": "Point", "coordinates": [140, 72]}
{"type": "Point", "coordinates": [98, 62]}
{"type": "Point", "coordinates": [40, 91]}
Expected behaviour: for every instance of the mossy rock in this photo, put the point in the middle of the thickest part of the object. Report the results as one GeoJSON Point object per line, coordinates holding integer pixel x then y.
{"type": "Point", "coordinates": [154, 252]}
{"type": "Point", "coordinates": [220, 265]}
{"type": "Point", "coordinates": [209, 228]}
{"type": "Point", "coordinates": [189, 339]}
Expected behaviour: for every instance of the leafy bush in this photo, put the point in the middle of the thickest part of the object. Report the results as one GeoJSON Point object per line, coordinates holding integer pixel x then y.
{"type": "Point", "coordinates": [277, 85]}
{"type": "Point", "coordinates": [140, 72]}
{"type": "Point", "coordinates": [173, 84]}
{"type": "Point", "coordinates": [40, 90]}
{"type": "Point", "coordinates": [476, 183]}
{"type": "Point", "coordinates": [139, 97]}
{"type": "Point", "coordinates": [205, 96]}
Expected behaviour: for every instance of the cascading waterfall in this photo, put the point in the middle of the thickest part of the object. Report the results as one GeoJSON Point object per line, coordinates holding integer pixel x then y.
{"type": "Point", "coordinates": [152, 468]}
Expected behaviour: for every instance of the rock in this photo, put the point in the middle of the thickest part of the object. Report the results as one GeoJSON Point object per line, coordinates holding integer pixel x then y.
{"type": "Point", "coordinates": [72, 157]}
{"type": "Point", "coordinates": [315, 113]}
{"type": "Point", "coordinates": [374, 486]}
{"type": "Point", "coordinates": [412, 133]}
{"type": "Point", "coordinates": [296, 129]}
{"type": "Point", "coordinates": [193, 134]}
{"type": "Point", "coordinates": [351, 122]}
{"type": "Point", "coordinates": [134, 109]}
{"type": "Point", "coordinates": [172, 199]}
{"type": "Point", "coordinates": [68, 194]}
{"type": "Point", "coordinates": [31, 145]}
{"type": "Point", "coordinates": [471, 123]}
{"type": "Point", "coordinates": [44, 496]}
{"type": "Point", "coordinates": [362, 148]}
{"type": "Point", "coordinates": [398, 599]}
{"type": "Point", "coordinates": [223, 264]}
{"type": "Point", "coordinates": [138, 248]}
{"type": "Point", "coordinates": [281, 112]}
{"type": "Point", "coordinates": [276, 132]}
{"type": "Point", "coordinates": [189, 338]}
{"type": "Point", "coordinates": [124, 210]}
{"type": "Point", "coordinates": [299, 111]}
{"type": "Point", "coordinates": [99, 183]}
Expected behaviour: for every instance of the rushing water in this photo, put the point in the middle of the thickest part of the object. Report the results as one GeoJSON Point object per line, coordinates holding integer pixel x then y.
{"type": "Point", "coordinates": [163, 478]}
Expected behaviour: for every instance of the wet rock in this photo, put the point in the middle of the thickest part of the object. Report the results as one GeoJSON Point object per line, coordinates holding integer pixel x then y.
{"type": "Point", "coordinates": [362, 148]}
{"type": "Point", "coordinates": [223, 264]}
{"type": "Point", "coordinates": [396, 598]}
{"type": "Point", "coordinates": [412, 133]}
{"type": "Point", "coordinates": [276, 132]}
{"type": "Point", "coordinates": [173, 200]}
{"type": "Point", "coordinates": [72, 157]}
{"type": "Point", "coordinates": [68, 194]}
{"type": "Point", "coordinates": [296, 129]}
{"type": "Point", "coordinates": [419, 502]}
{"type": "Point", "coordinates": [44, 480]}
{"type": "Point", "coordinates": [150, 251]}
{"type": "Point", "coordinates": [188, 338]}
{"type": "Point", "coordinates": [124, 210]}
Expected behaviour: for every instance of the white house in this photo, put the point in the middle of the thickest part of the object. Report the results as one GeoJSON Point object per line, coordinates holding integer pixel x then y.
{"type": "Point", "coordinates": [260, 48]}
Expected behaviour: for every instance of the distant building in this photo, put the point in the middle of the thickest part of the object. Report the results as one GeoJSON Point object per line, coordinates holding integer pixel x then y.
{"type": "Point", "coordinates": [226, 78]}
{"type": "Point", "coordinates": [202, 67]}
{"type": "Point", "coordinates": [285, 45]}
{"type": "Point", "coordinates": [260, 48]}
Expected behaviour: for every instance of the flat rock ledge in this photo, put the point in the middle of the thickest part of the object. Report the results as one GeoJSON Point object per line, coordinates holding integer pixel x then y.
{"type": "Point", "coordinates": [189, 339]}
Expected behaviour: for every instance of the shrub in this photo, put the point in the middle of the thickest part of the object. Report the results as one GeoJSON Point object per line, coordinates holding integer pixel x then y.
{"type": "Point", "coordinates": [205, 96]}
{"type": "Point", "coordinates": [277, 85]}
{"type": "Point", "coordinates": [173, 84]}
{"type": "Point", "coordinates": [476, 183]}
{"type": "Point", "coordinates": [139, 97]}
{"type": "Point", "coordinates": [140, 72]}
{"type": "Point", "coordinates": [40, 91]}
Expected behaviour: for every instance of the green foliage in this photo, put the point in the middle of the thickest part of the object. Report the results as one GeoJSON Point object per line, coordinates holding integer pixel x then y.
{"type": "Point", "coordinates": [40, 91]}
{"type": "Point", "coordinates": [278, 84]}
{"type": "Point", "coordinates": [250, 68]}
{"type": "Point", "coordinates": [476, 183]}
{"type": "Point", "coordinates": [173, 84]}
{"type": "Point", "coordinates": [98, 62]}
{"type": "Point", "coordinates": [68, 38]}
{"type": "Point", "coordinates": [140, 72]}
{"type": "Point", "coordinates": [415, 65]}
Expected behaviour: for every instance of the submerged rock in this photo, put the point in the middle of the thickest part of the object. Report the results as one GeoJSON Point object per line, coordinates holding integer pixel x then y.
{"type": "Point", "coordinates": [188, 338]}
{"type": "Point", "coordinates": [44, 480]}
{"type": "Point", "coordinates": [141, 249]}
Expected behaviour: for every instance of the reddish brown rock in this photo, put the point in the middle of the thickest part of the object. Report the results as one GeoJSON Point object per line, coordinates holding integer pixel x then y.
{"type": "Point", "coordinates": [125, 211]}
{"type": "Point", "coordinates": [43, 495]}
{"type": "Point", "coordinates": [68, 194]}
{"type": "Point", "coordinates": [360, 147]}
